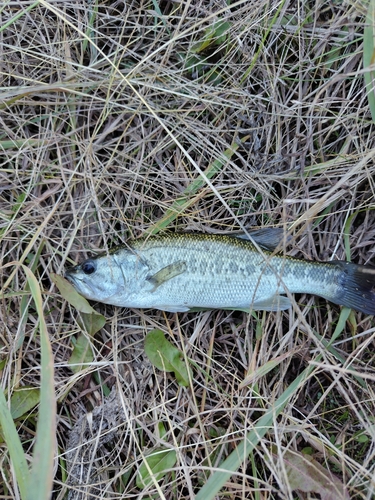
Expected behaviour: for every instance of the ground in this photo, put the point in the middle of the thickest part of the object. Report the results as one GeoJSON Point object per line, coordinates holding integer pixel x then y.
{"type": "Point", "coordinates": [122, 119]}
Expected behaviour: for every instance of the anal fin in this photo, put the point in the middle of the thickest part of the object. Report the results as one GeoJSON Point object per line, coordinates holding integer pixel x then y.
{"type": "Point", "coordinates": [173, 309]}
{"type": "Point", "coordinates": [275, 303]}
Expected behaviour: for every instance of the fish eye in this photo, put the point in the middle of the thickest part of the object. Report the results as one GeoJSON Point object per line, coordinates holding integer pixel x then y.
{"type": "Point", "coordinates": [88, 267]}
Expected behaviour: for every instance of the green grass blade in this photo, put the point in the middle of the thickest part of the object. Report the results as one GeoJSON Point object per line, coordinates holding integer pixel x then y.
{"type": "Point", "coordinates": [24, 307]}
{"type": "Point", "coordinates": [181, 204]}
{"type": "Point", "coordinates": [268, 29]}
{"type": "Point", "coordinates": [20, 13]}
{"type": "Point", "coordinates": [12, 440]}
{"type": "Point", "coordinates": [240, 454]}
{"type": "Point", "coordinates": [40, 484]}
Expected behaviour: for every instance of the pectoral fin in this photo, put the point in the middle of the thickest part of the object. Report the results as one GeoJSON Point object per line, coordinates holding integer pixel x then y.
{"type": "Point", "coordinates": [268, 238]}
{"type": "Point", "coordinates": [167, 273]}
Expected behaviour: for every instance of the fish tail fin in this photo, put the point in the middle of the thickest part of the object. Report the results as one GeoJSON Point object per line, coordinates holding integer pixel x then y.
{"type": "Point", "coordinates": [357, 287]}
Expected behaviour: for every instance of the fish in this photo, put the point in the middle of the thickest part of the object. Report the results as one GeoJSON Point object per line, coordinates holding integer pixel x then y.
{"type": "Point", "coordinates": [180, 272]}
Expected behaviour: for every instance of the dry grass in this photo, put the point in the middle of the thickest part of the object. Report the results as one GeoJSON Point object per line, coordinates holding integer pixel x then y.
{"type": "Point", "coordinates": [109, 111]}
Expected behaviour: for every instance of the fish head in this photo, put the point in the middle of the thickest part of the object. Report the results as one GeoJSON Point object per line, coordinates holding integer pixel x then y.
{"type": "Point", "coordinates": [99, 278]}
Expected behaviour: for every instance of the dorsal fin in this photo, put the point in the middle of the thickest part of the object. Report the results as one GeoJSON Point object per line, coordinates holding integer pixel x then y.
{"type": "Point", "coordinates": [268, 238]}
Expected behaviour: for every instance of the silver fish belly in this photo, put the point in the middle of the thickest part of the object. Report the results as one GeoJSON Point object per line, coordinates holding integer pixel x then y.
{"type": "Point", "coordinates": [179, 272]}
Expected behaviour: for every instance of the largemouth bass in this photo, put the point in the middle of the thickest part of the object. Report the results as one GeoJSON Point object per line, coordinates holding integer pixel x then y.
{"type": "Point", "coordinates": [179, 272]}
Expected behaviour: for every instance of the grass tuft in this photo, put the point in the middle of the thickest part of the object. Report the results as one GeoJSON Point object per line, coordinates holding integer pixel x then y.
{"type": "Point", "coordinates": [120, 119]}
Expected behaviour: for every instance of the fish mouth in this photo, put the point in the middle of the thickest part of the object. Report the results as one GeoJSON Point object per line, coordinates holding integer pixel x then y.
{"type": "Point", "coordinates": [74, 280]}
{"type": "Point", "coordinates": [82, 286]}
{"type": "Point", "coordinates": [68, 275]}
